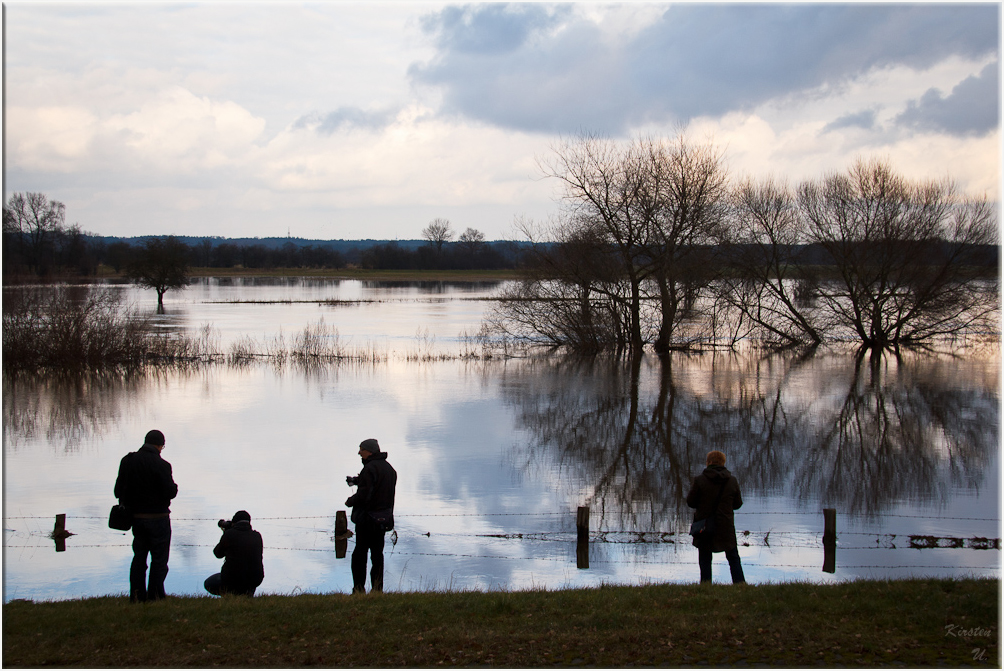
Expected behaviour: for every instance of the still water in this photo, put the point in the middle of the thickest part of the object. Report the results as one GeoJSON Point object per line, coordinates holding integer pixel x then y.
{"type": "Point", "coordinates": [495, 457]}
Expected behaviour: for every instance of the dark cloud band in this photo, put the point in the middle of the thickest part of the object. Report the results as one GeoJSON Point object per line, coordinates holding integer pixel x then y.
{"type": "Point", "coordinates": [544, 68]}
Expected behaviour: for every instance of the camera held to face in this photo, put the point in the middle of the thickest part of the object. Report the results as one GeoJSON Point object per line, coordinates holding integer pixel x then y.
{"type": "Point", "coordinates": [352, 480]}
{"type": "Point", "coordinates": [224, 524]}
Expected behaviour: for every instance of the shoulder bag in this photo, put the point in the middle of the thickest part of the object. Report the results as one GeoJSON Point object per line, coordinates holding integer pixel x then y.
{"type": "Point", "coordinates": [120, 518]}
{"type": "Point", "coordinates": [382, 519]}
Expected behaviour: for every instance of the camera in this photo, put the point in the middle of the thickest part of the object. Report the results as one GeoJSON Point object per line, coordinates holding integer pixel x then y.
{"type": "Point", "coordinates": [352, 480]}
{"type": "Point", "coordinates": [224, 524]}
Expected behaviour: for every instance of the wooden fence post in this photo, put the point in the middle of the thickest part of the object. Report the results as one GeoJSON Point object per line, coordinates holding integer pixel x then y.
{"type": "Point", "coordinates": [59, 532]}
{"type": "Point", "coordinates": [582, 537]}
{"type": "Point", "coordinates": [829, 540]}
{"type": "Point", "coordinates": [342, 534]}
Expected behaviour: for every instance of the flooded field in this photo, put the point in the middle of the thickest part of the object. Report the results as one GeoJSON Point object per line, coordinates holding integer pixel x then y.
{"type": "Point", "coordinates": [495, 457]}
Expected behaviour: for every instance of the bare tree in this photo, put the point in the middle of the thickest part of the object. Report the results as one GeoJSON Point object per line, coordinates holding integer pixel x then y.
{"type": "Point", "coordinates": [33, 221]}
{"type": "Point", "coordinates": [687, 188]}
{"type": "Point", "coordinates": [604, 186]}
{"type": "Point", "coordinates": [904, 254]}
{"type": "Point", "coordinates": [161, 264]}
{"type": "Point", "coordinates": [472, 240]}
{"type": "Point", "coordinates": [438, 233]}
{"type": "Point", "coordinates": [769, 287]}
{"type": "Point", "coordinates": [573, 294]}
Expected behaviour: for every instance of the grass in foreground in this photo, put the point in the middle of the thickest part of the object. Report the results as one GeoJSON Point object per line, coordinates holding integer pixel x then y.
{"type": "Point", "coordinates": [866, 623]}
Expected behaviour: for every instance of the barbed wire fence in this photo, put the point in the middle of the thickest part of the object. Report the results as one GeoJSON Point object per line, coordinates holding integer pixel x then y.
{"type": "Point", "coordinates": [767, 538]}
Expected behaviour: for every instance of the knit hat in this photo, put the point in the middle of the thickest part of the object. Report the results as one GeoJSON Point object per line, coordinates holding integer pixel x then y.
{"type": "Point", "coordinates": [154, 437]}
{"type": "Point", "coordinates": [241, 515]}
{"type": "Point", "coordinates": [370, 445]}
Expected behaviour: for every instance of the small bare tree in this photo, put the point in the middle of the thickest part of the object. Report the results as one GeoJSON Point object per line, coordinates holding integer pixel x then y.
{"type": "Point", "coordinates": [472, 241]}
{"type": "Point", "coordinates": [438, 233]}
{"type": "Point", "coordinates": [573, 294]}
{"type": "Point", "coordinates": [161, 264]}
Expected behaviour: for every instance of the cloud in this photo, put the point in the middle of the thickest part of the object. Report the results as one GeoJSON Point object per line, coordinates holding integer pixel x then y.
{"type": "Point", "coordinates": [545, 69]}
{"type": "Point", "coordinates": [864, 119]}
{"type": "Point", "coordinates": [972, 108]}
{"type": "Point", "coordinates": [345, 117]}
{"type": "Point", "coordinates": [173, 132]}
{"type": "Point", "coordinates": [491, 29]}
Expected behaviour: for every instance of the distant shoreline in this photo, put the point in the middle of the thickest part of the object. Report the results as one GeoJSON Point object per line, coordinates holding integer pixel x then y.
{"type": "Point", "coordinates": [314, 273]}
{"type": "Point", "coordinates": [363, 274]}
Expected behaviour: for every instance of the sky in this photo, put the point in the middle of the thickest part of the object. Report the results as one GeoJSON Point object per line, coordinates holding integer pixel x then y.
{"type": "Point", "coordinates": [343, 120]}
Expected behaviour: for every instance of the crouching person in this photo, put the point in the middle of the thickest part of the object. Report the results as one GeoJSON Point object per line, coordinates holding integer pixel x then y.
{"type": "Point", "coordinates": [241, 549]}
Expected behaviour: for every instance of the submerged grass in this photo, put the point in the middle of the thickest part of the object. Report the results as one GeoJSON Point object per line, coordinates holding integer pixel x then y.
{"type": "Point", "coordinates": [924, 622]}
{"type": "Point", "coordinates": [67, 328]}
{"type": "Point", "coordinates": [75, 327]}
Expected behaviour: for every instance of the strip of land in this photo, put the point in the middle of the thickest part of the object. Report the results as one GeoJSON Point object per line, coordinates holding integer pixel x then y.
{"type": "Point", "coordinates": [911, 623]}
{"type": "Point", "coordinates": [363, 274]}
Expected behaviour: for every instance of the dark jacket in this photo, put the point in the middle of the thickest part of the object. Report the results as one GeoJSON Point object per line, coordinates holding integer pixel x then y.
{"type": "Point", "coordinates": [145, 483]}
{"type": "Point", "coordinates": [242, 548]}
{"type": "Point", "coordinates": [702, 497]}
{"type": "Point", "coordinates": [375, 489]}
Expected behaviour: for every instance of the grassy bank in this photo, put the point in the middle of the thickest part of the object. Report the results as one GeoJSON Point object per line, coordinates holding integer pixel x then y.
{"type": "Point", "coordinates": [912, 623]}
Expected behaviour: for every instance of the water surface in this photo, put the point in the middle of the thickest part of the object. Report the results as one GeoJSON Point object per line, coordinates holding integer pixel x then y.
{"type": "Point", "coordinates": [494, 457]}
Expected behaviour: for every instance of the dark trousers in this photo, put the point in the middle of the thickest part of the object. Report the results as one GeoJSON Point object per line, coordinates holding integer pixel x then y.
{"type": "Point", "coordinates": [214, 585]}
{"type": "Point", "coordinates": [369, 540]}
{"type": "Point", "coordinates": [704, 560]}
{"type": "Point", "coordinates": [149, 537]}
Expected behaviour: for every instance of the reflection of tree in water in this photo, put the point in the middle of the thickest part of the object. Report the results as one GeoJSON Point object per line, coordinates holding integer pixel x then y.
{"type": "Point", "coordinates": [629, 435]}
{"type": "Point", "coordinates": [618, 426]}
{"type": "Point", "coordinates": [71, 408]}
{"type": "Point", "coordinates": [902, 432]}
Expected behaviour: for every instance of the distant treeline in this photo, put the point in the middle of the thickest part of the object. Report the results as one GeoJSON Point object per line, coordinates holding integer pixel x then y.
{"type": "Point", "coordinates": [62, 251]}
{"type": "Point", "coordinates": [67, 251]}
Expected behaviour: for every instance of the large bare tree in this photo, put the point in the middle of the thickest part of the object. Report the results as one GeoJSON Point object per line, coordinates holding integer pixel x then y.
{"type": "Point", "coordinates": [686, 188]}
{"type": "Point", "coordinates": [32, 222]}
{"type": "Point", "coordinates": [604, 186]}
{"type": "Point", "coordinates": [904, 253]}
{"type": "Point", "coordinates": [770, 287]}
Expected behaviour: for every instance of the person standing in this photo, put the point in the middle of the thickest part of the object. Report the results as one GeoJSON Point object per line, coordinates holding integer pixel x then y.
{"type": "Point", "coordinates": [372, 513]}
{"type": "Point", "coordinates": [145, 485]}
{"type": "Point", "coordinates": [241, 550]}
{"type": "Point", "coordinates": [715, 495]}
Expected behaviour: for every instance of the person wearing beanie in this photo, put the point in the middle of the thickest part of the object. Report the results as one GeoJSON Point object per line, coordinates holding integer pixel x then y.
{"type": "Point", "coordinates": [372, 513]}
{"type": "Point", "coordinates": [241, 549]}
{"type": "Point", "coordinates": [145, 485]}
{"type": "Point", "coordinates": [715, 495]}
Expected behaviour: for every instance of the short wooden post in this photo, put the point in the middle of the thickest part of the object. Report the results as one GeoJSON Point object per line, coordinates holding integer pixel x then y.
{"type": "Point", "coordinates": [59, 532]}
{"type": "Point", "coordinates": [829, 540]}
{"type": "Point", "coordinates": [341, 534]}
{"type": "Point", "coordinates": [582, 537]}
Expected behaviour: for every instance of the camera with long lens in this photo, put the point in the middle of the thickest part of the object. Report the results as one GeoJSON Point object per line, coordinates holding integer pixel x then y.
{"type": "Point", "coordinates": [224, 524]}
{"type": "Point", "coordinates": [352, 480]}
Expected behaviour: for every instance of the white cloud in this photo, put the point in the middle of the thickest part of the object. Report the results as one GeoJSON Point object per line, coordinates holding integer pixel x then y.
{"type": "Point", "coordinates": [48, 138]}
{"type": "Point", "coordinates": [180, 131]}
{"type": "Point", "coordinates": [415, 159]}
